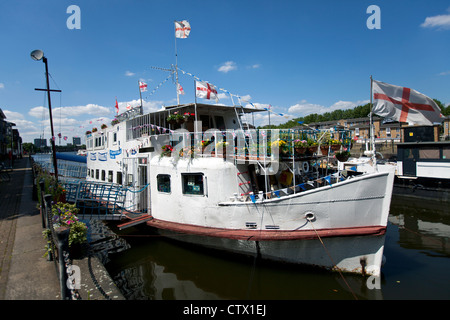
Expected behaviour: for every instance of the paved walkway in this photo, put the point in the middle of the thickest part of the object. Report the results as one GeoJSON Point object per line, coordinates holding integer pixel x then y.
{"type": "Point", "coordinates": [25, 274]}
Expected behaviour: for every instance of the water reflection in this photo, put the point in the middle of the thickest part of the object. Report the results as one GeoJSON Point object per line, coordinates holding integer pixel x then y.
{"type": "Point", "coordinates": [417, 265]}
{"type": "Point", "coordinates": [158, 268]}
{"type": "Point", "coordinates": [422, 226]}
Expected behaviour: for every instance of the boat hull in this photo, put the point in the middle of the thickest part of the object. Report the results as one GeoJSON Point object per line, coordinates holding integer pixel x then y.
{"type": "Point", "coordinates": [353, 250]}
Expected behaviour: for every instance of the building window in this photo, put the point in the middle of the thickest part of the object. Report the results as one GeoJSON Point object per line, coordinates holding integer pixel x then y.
{"type": "Point", "coordinates": [193, 183]}
{"type": "Point", "coordinates": [357, 132]}
{"type": "Point", "coordinates": [388, 132]}
{"type": "Point", "coordinates": [163, 183]}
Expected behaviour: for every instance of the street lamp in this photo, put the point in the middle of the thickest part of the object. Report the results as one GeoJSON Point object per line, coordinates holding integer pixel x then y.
{"type": "Point", "coordinates": [37, 55]}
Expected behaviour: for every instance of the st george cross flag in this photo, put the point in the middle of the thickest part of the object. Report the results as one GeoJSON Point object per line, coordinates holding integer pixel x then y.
{"type": "Point", "coordinates": [182, 29]}
{"type": "Point", "coordinates": [142, 86]}
{"type": "Point", "coordinates": [117, 107]}
{"type": "Point", "coordinates": [205, 90]}
{"type": "Point", "coordinates": [404, 105]}
{"type": "Point", "coordinates": [180, 89]}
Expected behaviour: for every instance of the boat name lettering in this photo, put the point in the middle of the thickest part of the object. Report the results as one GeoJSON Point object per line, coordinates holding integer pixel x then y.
{"type": "Point", "coordinates": [114, 153]}
{"type": "Point", "coordinates": [102, 156]}
{"type": "Point", "coordinates": [93, 156]}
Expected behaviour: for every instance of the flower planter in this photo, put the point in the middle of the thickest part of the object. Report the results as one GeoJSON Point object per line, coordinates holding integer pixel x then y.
{"type": "Point", "coordinates": [324, 150]}
{"type": "Point", "coordinates": [335, 147]}
{"type": "Point", "coordinates": [312, 149]}
{"type": "Point", "coordinates": [342, 157]}
{"type": "Point", "coordinates": [300, 150]}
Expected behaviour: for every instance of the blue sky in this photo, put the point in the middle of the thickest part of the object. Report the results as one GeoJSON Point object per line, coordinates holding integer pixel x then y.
{"type": "Point", "coordinates": [298, 56]}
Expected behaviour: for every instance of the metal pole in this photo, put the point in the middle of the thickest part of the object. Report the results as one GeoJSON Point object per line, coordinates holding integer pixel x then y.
{"type": "Point", "coordinates": [55, 165]}
{"type": "Point", "coordinates": [176, 65]}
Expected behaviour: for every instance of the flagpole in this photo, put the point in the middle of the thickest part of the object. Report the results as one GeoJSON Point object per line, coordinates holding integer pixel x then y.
{"type": "Point", "coordinates": [176, 64]}
{"type": "Point", "coordinates": [195, 109]}
{"type": "Point", "coordinates": [140, 93]}
{"type": "Point", "coordinates": [372, 133]}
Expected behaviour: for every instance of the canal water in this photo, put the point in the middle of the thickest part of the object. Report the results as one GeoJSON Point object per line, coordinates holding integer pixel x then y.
{"type": "Point", "coordinates": [417, 251]}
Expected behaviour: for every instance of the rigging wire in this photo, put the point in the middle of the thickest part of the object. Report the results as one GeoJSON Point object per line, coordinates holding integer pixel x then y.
{"type": "Point", "coordinates": [332, 261]}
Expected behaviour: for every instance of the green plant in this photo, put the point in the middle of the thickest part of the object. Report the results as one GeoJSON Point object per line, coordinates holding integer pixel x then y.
{"type": "Point", "coordinates": [65, 215]}
{"type": "Point", "coordinates": [300, 143]}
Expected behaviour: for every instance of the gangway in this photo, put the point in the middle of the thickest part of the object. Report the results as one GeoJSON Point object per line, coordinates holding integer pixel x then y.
{"type": "Point", "coordinates": [103, 201]}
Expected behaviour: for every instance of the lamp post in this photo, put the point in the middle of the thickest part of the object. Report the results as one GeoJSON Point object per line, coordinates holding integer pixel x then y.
{"type": "Point", "coordinates": [39, 55]}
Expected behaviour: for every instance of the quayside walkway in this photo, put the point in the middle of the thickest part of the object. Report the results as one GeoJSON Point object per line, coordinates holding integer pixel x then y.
{"type": "Point", "coordinates": [25, 274]}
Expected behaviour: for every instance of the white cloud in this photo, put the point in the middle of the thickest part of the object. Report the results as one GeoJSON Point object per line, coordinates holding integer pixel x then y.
{"type": "Point", "coordinates": [2, 85]}
{"type": "Point", "coordinates": [129, 73]}
{"type": "Point", "coordinates": [445, 73]}
{"type": "Point", "coordinates": [254, 66]}
{"type": "Point", "coordinates": [304, 108]}
{"type": "Point", "coordinates": [227, 67]}
{"type": "Point", "coordinates": [12, 116]}
{"type": "Point", "coordinates": [440, 21]}
{"type": "Point", "coordinates": [90, 109]}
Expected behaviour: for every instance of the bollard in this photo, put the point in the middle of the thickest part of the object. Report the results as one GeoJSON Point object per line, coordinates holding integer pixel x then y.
{"type": "Point", "coordinates": [62, 243]}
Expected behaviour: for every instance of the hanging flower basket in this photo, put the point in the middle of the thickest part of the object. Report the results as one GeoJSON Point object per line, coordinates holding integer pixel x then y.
{"type": "Point", "coordinates": [324, 150]}
{"type": "Point", "coordinates": [342, 156]}
{"type": "Point", "coordinates": [300, 150]}
{"type": "Point", "coordinates": [312, 149]}
{"type": "Point", "coordinates": [335, 147]}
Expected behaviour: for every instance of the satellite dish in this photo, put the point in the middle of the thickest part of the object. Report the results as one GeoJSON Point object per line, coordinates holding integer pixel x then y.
{"type": "Point", "coordinates": [37, 55]}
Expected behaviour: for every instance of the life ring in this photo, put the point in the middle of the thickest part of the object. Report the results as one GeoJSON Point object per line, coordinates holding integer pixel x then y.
{"type": "Point", "coordinates": [305, 166]}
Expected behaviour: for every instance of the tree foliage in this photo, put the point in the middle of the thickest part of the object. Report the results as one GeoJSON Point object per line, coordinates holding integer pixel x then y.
{"type": "Point", "coordinates": [357, 112]}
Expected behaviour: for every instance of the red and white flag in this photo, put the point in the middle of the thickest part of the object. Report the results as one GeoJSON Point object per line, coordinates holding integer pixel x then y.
{"type": "Point", "coordinates": [117, 107]}
{"type": "Point", "coordinates": [142, 86]}
{"type": "Point", "coordinates": [182, 29]}
{"type": "Point", "coordinates": [205, 90]}
{"type": "Point", "coordinates": [180, 89]}
{"type": "Point", "coordinates": [404, 105]}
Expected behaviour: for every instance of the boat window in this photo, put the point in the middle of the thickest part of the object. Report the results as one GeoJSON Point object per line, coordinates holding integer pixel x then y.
{"type": "Point", "coordinates": [163, 183]}
{"type": "Point", "coordinates": [429, 153]}
{"type": "Point", "coordinates": [204, 118]}
{"type": "Point", "coordinates": [192, 183]}
{"type": "Point", "coordinates": [97, 174]}
{"type": "Point", "coordinates": [129, 179]}
{"type": "Point", "coordinates": [110, 176]}
{"type": "Point", "coordinates": [119, 177]}
{"type": "Point", "coordinates": [220, 123]}
{"type": "Point", "coordinates": [103, 175]}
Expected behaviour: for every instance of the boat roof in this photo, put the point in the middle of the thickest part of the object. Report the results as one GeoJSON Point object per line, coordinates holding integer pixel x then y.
{"type": "Point", "coordinates": [215, 107]}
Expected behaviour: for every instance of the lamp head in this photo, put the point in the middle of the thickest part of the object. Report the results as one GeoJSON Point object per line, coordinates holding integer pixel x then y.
{"type": "Point", "coordinates": [37, 55]}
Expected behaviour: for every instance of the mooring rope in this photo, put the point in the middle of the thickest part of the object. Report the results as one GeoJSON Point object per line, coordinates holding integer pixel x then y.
{"type": "Point", "coordinates": [332, 261]}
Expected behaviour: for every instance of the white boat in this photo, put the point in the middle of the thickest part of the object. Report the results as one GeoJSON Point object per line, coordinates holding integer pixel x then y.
{"type": "Point", "coordinates": [248, 198]}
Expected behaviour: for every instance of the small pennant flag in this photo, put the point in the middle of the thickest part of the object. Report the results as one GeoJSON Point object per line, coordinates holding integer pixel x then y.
{"type": "Point", "coordinates": [180, 89]}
